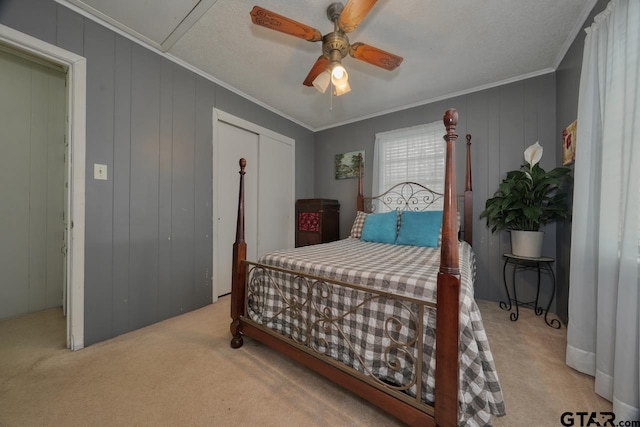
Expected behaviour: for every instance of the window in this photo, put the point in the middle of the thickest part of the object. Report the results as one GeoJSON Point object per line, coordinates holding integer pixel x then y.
{"type": "Point", "coordinates": [411, 154]}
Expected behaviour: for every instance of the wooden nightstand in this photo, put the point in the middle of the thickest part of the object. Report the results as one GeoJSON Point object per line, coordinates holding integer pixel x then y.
{"type": "Point", "coordinates": [317, 221]}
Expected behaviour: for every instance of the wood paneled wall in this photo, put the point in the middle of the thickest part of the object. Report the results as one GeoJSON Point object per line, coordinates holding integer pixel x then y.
{"type": "Point", "coordinates": [148, 247]}
{"type": "Point", "coordinates": [503, 122]}
{"type": "Point", "coordinates": [148, 227]}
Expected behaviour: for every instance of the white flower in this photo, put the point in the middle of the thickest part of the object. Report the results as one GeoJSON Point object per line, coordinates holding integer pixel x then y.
{"type": "Point", "coordinates": [533, 154]}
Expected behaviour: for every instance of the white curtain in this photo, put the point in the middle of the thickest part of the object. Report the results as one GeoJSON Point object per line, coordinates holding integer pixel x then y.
{"type": "Point", "coordinates": [603, 337]}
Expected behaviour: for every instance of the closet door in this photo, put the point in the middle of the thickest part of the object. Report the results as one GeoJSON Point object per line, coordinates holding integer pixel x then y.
{"type": "Point", "coordinates": [232, 144]}
{"type": "Point", "coordinates": [275, 196]}
{"type": "Point", "coordinates": [269, 193]}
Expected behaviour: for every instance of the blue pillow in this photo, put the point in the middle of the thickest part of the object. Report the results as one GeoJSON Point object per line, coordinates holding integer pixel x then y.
{"type": "Point", "coordinates": [380, 228]}
{"type": "Point", "coordinates": [420, 228]}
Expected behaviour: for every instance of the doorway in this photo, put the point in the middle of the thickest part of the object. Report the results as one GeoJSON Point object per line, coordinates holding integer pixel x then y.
{"type": "Point", "coordinates": [75, 93]}
{"type": "Point", "coordinates": [32, 181]}
{"type": "Point", "coordinates": [269, 192]}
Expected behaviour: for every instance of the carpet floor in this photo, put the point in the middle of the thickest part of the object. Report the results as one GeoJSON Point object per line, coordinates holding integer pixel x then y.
{"type": "Point", "coordinates": [182, 372]}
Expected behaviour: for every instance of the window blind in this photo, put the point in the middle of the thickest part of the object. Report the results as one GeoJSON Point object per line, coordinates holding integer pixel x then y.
{"type": "Point", "coordinates": [411, 154]}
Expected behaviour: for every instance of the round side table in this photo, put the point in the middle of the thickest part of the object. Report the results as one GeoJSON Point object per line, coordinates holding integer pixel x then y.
{"type": "Point", "coordinates": [526, 263]}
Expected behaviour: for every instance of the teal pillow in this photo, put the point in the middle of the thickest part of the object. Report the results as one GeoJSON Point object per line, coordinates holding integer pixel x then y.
{"type": "Point", "coordinates": [420, 228]}
{"type": "Point", "coordinates": [380, 228]}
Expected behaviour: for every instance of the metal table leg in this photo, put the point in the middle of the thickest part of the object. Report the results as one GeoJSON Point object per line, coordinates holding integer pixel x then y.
{"type": "Point", "coordinates": [537, 309]}
{"type": "Point", "coordinates": [506, 288]}
{"type": "Point", "coordinates": [554, 323]}
{"type": "Point", "coordinates": [516, 315]}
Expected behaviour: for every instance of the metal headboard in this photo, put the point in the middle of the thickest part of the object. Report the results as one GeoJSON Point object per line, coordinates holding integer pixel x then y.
{"type": "Point", "coordinates": [405, 196]}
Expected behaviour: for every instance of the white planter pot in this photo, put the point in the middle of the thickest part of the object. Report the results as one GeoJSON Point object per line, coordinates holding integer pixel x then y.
{"type": "Point", "coordinates": [527, 243]}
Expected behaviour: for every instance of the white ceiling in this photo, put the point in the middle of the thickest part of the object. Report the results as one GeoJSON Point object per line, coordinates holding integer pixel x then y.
{"type": "Point", "coordinates": [449, 47]}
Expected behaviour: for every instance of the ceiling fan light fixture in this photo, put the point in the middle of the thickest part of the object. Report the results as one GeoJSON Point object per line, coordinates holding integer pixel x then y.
{"type": "Point", "coordinates": [339, 75]}
{"type": "Point", "coordinates": [341, 89]}
{"type": "Point", "coordinates": [338, 72]}
{"type": "Point", "coordinates": [328, 68]}
{"type": "Point", "coordinates": [321, 82]}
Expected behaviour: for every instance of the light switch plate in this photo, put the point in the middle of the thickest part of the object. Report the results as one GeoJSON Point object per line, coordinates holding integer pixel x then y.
{"type": "Point", "coordinates": [99, 171]}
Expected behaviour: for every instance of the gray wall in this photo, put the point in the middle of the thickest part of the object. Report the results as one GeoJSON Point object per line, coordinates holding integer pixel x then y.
{"type": "Point", "coordinates": [149, 120]}
{"type": "Point", "coordinates": [148, 228]}
{"type": "Point", "coordinates": [568, 84]}
{"type": "Point", "coordinates": [503, 122]}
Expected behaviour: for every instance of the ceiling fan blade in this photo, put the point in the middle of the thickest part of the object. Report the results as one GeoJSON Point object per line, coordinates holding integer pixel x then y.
{"type": "Point", "coordinates": [321, 64]}
{"type": "Point", "coordinates": [375, 56]}
{"type": "Point", "coordinates": [353, 13]}
{"type": "Point", "coordinates": [268, 19]}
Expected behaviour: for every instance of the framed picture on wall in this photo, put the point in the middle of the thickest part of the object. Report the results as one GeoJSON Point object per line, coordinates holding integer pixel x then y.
{"type": "Point", "coordinates": [347, 164]}
{"type": "Point", "coordinates": [569, 144]}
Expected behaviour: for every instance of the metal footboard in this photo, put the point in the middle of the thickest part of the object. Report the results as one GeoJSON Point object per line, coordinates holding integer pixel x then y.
{"type": "Point", "coordinates": [373, 335]}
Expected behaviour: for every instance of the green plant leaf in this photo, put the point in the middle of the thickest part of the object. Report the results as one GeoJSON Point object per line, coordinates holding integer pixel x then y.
{"type": "Point", "coordinates": [527, 199]}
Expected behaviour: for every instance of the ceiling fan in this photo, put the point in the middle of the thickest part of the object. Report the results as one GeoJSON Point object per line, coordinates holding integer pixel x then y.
{"type": "Point", "coordinates": [335, 45]}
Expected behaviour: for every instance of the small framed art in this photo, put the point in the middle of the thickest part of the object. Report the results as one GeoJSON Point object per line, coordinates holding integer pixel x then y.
{"type": "Point", "coordinates": [347, 164]}
{"type": "Point", "coordinates": [569, 144]}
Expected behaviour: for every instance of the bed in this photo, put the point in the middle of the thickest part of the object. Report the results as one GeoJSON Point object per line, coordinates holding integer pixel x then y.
{"type": "Point", "coordinates": [364, 313]}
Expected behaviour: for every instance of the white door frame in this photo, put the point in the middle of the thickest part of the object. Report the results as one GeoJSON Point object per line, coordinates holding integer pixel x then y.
{"type": "Point", "coordinates": [76, 69]}
{"type": "Point", "coordinates": [222, 116]}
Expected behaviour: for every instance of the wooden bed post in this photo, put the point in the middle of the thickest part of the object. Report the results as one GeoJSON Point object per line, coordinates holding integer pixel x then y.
{"type": "Point", "coordinates": [360, 199]}
{"type": "Point", "coordinates": [447, 315]}
{"type": "Point", "coordinates": [238, 275]}
{"type": "Point", "coordinates": [468, 198]}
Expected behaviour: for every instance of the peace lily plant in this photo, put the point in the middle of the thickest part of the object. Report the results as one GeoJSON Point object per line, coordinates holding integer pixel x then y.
{"type": "Point", "coordinates": [528, 198]}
